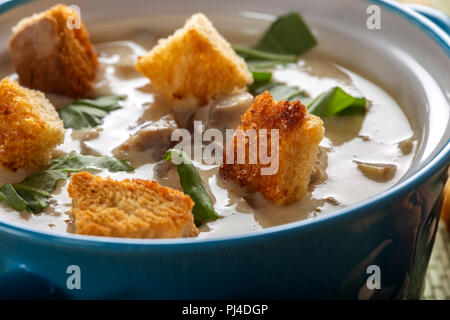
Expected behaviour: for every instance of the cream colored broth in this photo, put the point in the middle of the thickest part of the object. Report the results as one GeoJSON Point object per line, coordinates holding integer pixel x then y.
{"type": "Point", "coordinates": [373, 138]}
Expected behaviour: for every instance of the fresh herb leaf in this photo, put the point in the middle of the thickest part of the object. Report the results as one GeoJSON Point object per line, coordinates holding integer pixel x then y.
{"type": "Point", "coordinates": [289, 34]}
{"type": "Point", "coordinates": [12, 198]}
{"type": "Point", "coordinates": [107, 103]}
{"type": "Point", "coordinates": [86, 113]}
{"type": "Point", "coordinates": [251, 53]}
{"type": "Point", "coordinates": [192, 186]}
{"type": "Point", "coordinates": [336, 101]}
{"type": "Point", "coordinates": [32, 193]}
{"type": "Point", "coordinates": [282, 43]}
{"type": "Point", "coordinates": [286, 39]}
{"type": "Point", "coordinates": [45, 180]}
{"type": "Point", "coordinates": [35, 199]}
{"type": "Point", "coordinates": [254, 65]}
{"type": "Point", "coordinates": [327, 104]}
{"type": "Point", "coordinates": [261, 76]}
{"type": "Point", "coordinates": [73, 162]}
{"type": "Point", "coordinates": [279, 91]}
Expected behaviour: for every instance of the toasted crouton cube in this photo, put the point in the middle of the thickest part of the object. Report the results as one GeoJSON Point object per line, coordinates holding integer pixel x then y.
{"type": "Point", "coordinates": [30, 127]}
{"type": "Point", "coordinates": [299, 136]}
{"type": "Point", "coordinates": [129, 208]}
{"type": "Point", "coordinates": [195, 61]}
{"type": "Point", "coordinates": [50, 56]}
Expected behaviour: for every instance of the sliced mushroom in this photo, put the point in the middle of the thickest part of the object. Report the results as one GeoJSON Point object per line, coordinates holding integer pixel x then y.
{"type": "Point", "coordinates": [152, 137]}
{"type": "Point", "coordinates": [165, 172]}
{"type": "Point", "coordinates": [224, 112]}
{"type": "Point", "coordinates": [379, 172]}
{"type": "Point", "coordinates": [229, 109]}
{"type": "Point", "coordinates": [123, 55]}
{"type": "Point", "coordinates": [406, 146]}
{"type": "Point", "coordinates": [319, 174]}
{"type": "Point", "coordinates": [332, 200]}
{"type": "Point", "coordinates": [92, 134]}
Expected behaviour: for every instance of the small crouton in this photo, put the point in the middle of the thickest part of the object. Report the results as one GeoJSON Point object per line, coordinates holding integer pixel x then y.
{"type": "Point", "coordinates": [30, 127]}
{"type": "Point", "coordinates": [195, 61]}
{"type": "Point", "coordinates": [129, 208]}
{"type": "Point", "coordinates": [299, 137]}
{"type": "Point", "coordinates": [50, 56]}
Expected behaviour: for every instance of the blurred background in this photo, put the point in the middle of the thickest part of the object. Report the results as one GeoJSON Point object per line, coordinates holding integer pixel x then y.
{"type": "Point", "coordinates": [443, 5]}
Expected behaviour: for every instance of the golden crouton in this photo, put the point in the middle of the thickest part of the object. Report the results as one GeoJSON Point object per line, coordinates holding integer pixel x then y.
{"type": "Point", "coordinates": [50, 56]}
{"type": "Point", "coordinates": [299, 137]}
{"type": "Point", "coordinates": [195, 61]}
{"type": "Point", "coordinates": [129, 208]}
{"type": "Point", "coordinates": [30, 127]}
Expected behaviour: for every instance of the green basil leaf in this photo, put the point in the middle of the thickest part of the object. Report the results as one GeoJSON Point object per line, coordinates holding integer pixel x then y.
{"type": "Point", "coordinates": [279, 91]}
{"type": "Point", "coordinates": [87, 113]}
{"type": "Point", "coordinates": [289, 34]}
{"type": "Point", "coordinates": [45, 179]}
{"type": "Point", "coordinates": [336, 101]}
{"type": "Point", "coordinates": [255, 65]}
{"type": "Point", "coordinates": [251, 53]}
{"type": "Point", "coordinates": [287, 38]}
{"type": "Point", "coordinates": [106, 103]}
{"type": "Point", "coordinates": [12, 198]}
{"type": "Point", "coordinates": [32, 193]}
{"type": "Point", "coordinates": [192, 186]}
{"type": "Point", "coordinates": [327, 104]}
{"type": "Point", "coordinates": [261, 77]}
{"type": "Point", "coordinates": [282, 43]}
{"type": "Point", "coordinates": [73, 162]}
{"type": "Point", "coordinates": [35, 199]}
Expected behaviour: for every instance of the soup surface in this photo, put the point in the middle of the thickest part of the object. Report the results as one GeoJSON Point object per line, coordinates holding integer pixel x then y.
{"type": "Point", "coordinates": [344, 175]}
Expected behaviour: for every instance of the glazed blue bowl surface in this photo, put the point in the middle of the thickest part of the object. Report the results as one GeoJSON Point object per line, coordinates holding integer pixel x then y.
{"type": "Point", "coordinates": [322, 258]}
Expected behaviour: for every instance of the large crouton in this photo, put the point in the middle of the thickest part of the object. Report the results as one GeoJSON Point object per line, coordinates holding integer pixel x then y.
{"type": "Point", "coordinates": [30, 127]}
{"type": "Point", "coordinates": [195, 61]}
{"type": "Point", "coordinates": [50, 56]}
{"type": "Point", "coordinates": [129, 208]}
{"type": "Point", "coordinates": [299, 137]}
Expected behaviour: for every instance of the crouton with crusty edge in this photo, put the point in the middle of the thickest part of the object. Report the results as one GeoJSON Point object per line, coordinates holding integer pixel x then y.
{"type": "Point", "coordinates": [195, 61]}
{"type": "Point", "coordinates": [299, 137]}
{"type": "Point", "coordinates": [50, 56]}
{"type": "Point", "coordinates": [30, 127]}
{"type": "Point", "coordinates": [129, 208]}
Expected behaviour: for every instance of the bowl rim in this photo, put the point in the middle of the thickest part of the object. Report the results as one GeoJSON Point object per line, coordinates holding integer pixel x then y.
{"type": "Point", "coordinates": [440, 161]}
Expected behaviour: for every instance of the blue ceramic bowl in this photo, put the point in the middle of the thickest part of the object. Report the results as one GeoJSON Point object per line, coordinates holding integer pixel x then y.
{"type": "Point", "coordinates": [325, 257]}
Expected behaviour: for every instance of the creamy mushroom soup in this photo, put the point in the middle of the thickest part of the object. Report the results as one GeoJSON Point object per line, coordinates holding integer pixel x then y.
{"type": "Point", "coordinates": [359, 157]}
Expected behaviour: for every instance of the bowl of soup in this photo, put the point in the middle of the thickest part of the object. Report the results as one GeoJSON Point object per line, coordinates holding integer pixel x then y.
{"type": "Point", "coordinates": [374, 75]}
